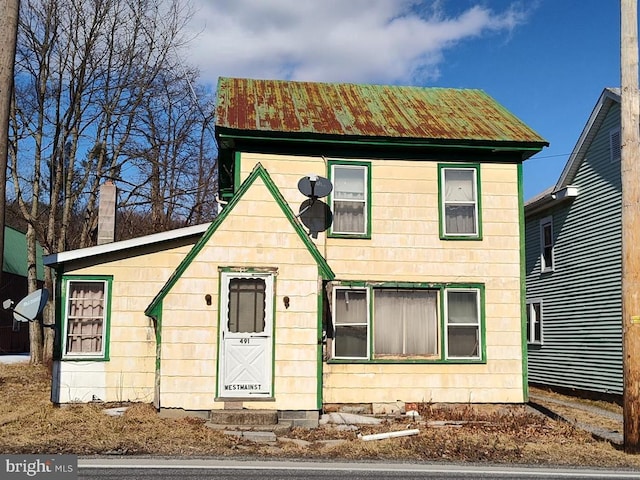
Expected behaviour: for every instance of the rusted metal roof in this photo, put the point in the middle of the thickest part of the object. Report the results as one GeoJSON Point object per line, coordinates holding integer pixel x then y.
{"type": "Point", "coordinates": [368, 111]}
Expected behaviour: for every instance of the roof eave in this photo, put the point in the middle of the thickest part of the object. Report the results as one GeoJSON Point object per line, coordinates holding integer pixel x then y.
{"type": "Point", "coordinates": [227, 138]}
{"type": "Point", "coordinates": [550, 198]}
{"type": "Point", "coordinates": [56, 259]}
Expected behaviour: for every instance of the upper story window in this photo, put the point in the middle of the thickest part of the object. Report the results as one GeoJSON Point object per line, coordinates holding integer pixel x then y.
{"type": "Point", "coordinates": [459, 202]}
{"type": "Point", "coordinates": [546, 245]}
{"type": "Point", "coordinates": [384, 323]}
{"type": "Point", "coordinates": [351, 198]}
{"type": "Point", "coordinates": [534, 321]}
{"type": "Point", "coordinates": [86, 317]}
{"type": "Point", "coordinates": [614, 145]}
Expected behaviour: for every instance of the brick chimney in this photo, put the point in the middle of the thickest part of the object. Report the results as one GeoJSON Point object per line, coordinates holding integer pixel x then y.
{"type": "Point", "coordinates": [107, 213]}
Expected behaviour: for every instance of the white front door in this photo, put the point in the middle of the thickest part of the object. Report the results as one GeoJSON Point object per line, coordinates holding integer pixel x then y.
{"type": "Point", "coordinates": [246, 330]}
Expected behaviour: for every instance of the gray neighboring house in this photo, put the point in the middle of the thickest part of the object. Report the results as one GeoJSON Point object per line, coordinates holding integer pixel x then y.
{"type": "Point", "coordinates": [573, 264]}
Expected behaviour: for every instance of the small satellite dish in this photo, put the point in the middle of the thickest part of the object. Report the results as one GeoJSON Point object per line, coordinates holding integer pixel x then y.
{"type": "Point", "coordinates": [316, 216]}
{"type": "Point", "coordinates": [314, 186]}
{"type": "Point", "coordinates": [30, 306]}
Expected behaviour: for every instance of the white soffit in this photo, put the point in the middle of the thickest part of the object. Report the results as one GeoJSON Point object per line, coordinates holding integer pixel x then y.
{"type": "Point", "coordinates": [62, 257]}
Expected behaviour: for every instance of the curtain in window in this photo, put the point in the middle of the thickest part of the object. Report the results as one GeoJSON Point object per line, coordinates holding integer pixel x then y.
{"type": "Point", "coordinates": [405, 322]}
{"type": "Point", "coordinates": [351, 323]}
{"type": "Point", "coordinates": [460, 201]}
{"type": "Point", "coordinates": [349, 199]}
{"type": "Point", "coordinates": [85, 317]}
{"type": "Point", "coordinates": [463, 324]}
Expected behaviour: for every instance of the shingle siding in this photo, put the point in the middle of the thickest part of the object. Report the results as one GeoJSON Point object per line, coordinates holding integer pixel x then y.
{"type": "Point", "coordinates": [582, 336]}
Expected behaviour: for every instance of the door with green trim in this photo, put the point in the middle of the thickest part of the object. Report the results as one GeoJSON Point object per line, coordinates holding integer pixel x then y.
{"type": "Point", "coordinates": [246, 331]}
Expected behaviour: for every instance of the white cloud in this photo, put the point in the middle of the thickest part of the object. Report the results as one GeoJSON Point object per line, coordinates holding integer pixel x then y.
{"type": "Point", "coordinates": [372, 41]}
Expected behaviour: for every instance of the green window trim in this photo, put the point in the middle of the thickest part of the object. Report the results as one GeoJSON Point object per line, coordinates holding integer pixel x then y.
{"type": "Point", "coordinates": [366, 230]}
{"type": "Point", "coordinates": [477, 201]}
{"type": "Point", "coordinates": [66, 282]}
{"type": "Point", "coordinates": [442, 290]}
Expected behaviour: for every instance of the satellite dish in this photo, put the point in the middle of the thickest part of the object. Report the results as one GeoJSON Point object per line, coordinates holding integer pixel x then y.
{"type": "Point", "coordinates": [316, 216]}
{"type": "Point", "coordinates": [29, 307]}
{"type": "Point", "coordinates": [314, 186]}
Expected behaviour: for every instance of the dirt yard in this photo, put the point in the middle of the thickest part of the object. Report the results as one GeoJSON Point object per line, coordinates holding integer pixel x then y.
{"type": "Point", "coordinates": [29, 423]}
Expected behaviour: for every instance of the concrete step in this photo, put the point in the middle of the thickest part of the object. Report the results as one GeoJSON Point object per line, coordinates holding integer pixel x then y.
{"type": "Point", "coordinates": [243, 417]}
{"type": "Point", "coordinates": [281, 428]}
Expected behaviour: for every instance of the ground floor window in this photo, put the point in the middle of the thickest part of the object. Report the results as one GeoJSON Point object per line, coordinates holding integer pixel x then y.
{"type": "Point", "coordinates": [378, 322]}
{"type": "Point", "coordinates": [534, 321]}
{"type": "Point", "coordinates": [85, 321]}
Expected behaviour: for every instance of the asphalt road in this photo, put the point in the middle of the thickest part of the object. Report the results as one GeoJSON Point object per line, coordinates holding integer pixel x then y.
{"type": "Point", "coordinates": [172, 469]}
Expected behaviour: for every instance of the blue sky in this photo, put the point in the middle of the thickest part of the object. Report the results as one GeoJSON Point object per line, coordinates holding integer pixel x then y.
{"type": "Point", "coordinates": [545, 60]}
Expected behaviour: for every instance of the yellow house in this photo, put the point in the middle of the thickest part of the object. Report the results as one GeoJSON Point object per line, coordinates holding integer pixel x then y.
{"type": "Point", "coordinates": [370, 252]}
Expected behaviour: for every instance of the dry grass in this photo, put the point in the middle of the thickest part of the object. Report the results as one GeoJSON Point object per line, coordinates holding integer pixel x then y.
{"type": "Point", "coordinates": [584, 413]}
{"type": "Point", "coordinates": [29, 423]}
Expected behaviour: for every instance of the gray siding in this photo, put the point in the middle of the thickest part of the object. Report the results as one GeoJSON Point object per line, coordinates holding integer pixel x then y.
{"type": "Point", "coordinates": [582, 334]}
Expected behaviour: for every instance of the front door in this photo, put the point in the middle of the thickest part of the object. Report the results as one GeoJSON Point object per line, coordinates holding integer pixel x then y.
{"type": "Point", "coordinates": [246, 329]}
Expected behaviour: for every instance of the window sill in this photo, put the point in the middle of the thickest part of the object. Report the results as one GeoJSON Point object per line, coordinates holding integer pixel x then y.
{"type": "Point", "coordinates": [267, 398]}
{"type": "Point", "coordinates": [461, 237]}
{"type": "Point", "coordinates": [358, 236]}
{"type": "Point", "coordinates": [340, 361]}
{"type": "Point", "coordinates": [88, 358]}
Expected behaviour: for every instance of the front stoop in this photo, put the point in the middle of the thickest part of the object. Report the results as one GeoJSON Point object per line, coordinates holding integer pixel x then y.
{"type": "Point", "coordinates": [256, 425]}
{"type": "Point", "coordinates": [243, 417]}
{"type": "Point", "coordinates": [261, 425]}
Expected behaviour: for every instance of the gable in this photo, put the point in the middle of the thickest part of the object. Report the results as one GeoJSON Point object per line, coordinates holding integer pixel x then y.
{"type": "Point", "coordinates": [599, 123]}
{"type": "Point", "coordinates": [258, 176]}
{"type": "Point", "coordinates": [607, 100]}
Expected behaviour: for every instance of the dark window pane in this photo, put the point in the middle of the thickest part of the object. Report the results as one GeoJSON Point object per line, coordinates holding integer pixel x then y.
{"type": "Point", "coordinates": [351, 341]}
{"type": "Point", "coordinates": [463, 341]}
{"type": "Point", "coordinates": [462, 306]}
{"type": "Point", "coordinates": [247, 305]}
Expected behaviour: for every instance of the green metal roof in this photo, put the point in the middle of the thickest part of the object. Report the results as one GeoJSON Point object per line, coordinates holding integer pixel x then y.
{"type": "Point", "coordinates": [430, 115]}
{"type": "Point", "coordinates": [15, 254]}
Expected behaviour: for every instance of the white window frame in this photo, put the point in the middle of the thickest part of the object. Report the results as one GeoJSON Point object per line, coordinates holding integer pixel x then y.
{"type": "Point", "coordinates": [444, 202]}
{"type": "Point", "coordinates": [365, 168]}
{"type": "Point", "coordinates": [547, 222]}
{"type": "Point", "coordinates": [533, 320]}
{"type": "Point", "coordinates": [97, 355]}
{"type": "Point", "coordinates": [615, 145]}
{"type": "Point", "coordinates": [477, 324]}
{"type": "Point", "coordinates": [366, 324]}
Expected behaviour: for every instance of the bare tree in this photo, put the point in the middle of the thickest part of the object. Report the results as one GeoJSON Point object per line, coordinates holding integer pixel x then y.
{"type": "Point", "coordinates": [174, 154]}
{"type": "Point", "coordinates": [8, 34]}
{"type": "Point", "coordinates": [88, 75]}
